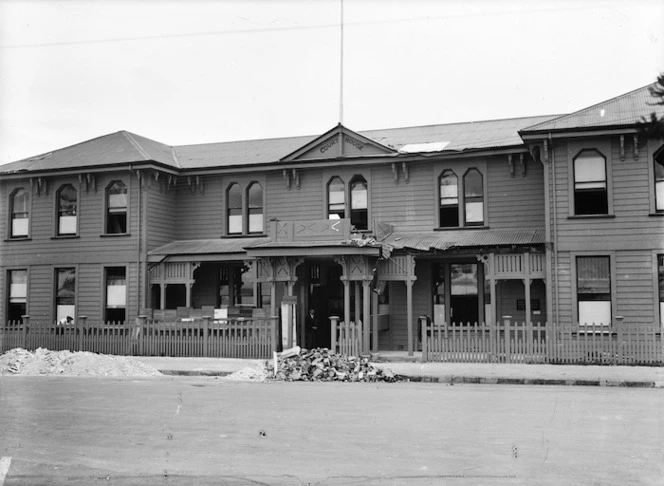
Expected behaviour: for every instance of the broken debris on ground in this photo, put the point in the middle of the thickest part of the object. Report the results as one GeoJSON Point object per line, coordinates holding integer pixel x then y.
{"type": "Point", "coordinates": [321, 364]}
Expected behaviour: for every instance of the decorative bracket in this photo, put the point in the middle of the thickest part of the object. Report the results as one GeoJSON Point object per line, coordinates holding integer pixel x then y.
{"type": "Point", "coordinates": [511, 164]}
{"type": "Point", "coordinates": [404, 168]}
{"type": "Point", "coordinates": [636, 146]}
{"type": "Point", "coordinates": [195, 184]}
{"type": "Point", "coordinates": [546, 151]}
{"type": "Point", "coordinates": [523, 161]}
{"type": "Point", "coordinates": [287, 178]}
{"type": "Point", "coordinates": [622, 147]}
{"type": "Point", "coordinates": [296, 177]}
{"type": "Point", "coordinates": [395, 171]}
{"type": "Point", "coordinates": [38, 184]}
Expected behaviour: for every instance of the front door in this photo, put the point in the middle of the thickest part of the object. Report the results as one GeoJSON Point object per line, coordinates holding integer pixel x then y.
{"type": "Point", "coordinates": [457, 293]}
{"type": "Point", "coordinates": [326, 298]}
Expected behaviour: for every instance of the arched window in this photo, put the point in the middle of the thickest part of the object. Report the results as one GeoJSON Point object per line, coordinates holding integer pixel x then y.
{"type": "Point", "coordinates": [67, 210]}
{"type": "Point", "coordinates": [473, 198]}
{"type": "Point", "coordinates": [234, 208]}
{"type": "Point", "coordinates": [449, 200]}
{"type": "Point", "coordinates": [336, 199]}
{"type": "Point", "coordinates": [659, 180]}
{"type": "Point", "coordinates": [359, 214]}
{"type": "Point", "coordinates": [18, 204]}
{"type": "Point", "coordinates": [590, 189]}
{"type": "Point", "coordinates": [255, 198]}
{"type": "Point", "coordinates": [116, 208]}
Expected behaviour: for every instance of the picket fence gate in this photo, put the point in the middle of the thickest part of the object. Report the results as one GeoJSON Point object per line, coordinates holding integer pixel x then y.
{"type": "Point", "coordinates": [527, 342]}
{"type": "Point", "coordinates": [206, 337]}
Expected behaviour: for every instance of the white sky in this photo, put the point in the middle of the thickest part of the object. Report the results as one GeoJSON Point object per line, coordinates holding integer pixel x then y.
{"type": "Point", "coordinates": [209, 71]}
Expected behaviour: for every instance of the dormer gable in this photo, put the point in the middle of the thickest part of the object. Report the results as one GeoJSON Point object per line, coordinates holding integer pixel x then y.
{"type": "Point", "coordinates": [339, 143]}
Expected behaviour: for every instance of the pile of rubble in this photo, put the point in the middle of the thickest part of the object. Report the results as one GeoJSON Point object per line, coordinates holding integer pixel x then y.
{"type": "Point", "coordinates": [321, 364]}
{"type": "Point", "coordinates": [42, 362]}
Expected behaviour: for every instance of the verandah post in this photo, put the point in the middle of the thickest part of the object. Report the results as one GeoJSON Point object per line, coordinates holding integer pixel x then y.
{"type": "Point", "coordinates": [275, 322]}
{"type": "Point", "coordinates": [334, 321]}
{"type": "Point", "coordinates": [141, 323]}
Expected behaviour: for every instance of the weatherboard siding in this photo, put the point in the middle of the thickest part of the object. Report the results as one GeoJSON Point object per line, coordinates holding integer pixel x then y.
{"type": "Point", "coordinates": [198, 214]}
{"type": "Point", "coordinates": [306, 202]}
{"type": "Point", "coordinates": [160, 224]}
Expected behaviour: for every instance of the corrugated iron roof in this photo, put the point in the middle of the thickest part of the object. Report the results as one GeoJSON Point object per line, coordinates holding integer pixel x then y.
{"type": "Point", "coordinates": [116, 148]}
{"type": "Point", "coordinates": [207, 246]}
{"type": "Point", "coordinates": [445, 240]}
{"type": "Point", "coordinates": [623, 110]}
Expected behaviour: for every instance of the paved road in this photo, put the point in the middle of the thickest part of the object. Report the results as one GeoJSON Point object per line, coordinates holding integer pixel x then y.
{"type": "Point", "coordinates": [207, 431]}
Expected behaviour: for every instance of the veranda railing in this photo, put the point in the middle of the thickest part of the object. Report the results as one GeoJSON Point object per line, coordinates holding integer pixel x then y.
{"type": "Point", "coordinates": [230, 338]}
{"type": "Point", "coordinates": [513, 342]}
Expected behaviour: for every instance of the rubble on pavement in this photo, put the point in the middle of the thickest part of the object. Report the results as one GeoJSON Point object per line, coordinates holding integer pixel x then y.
{"type": "Point", "coordinates": [320, 364]}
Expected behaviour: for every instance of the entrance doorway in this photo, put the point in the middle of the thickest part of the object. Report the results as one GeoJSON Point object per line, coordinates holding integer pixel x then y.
{"type": "Point", "coordinates": [457, 293]}
{"type": "Point", "coordinates": [326, 297]}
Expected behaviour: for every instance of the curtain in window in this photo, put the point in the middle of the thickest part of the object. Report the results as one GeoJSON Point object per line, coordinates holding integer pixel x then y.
{"type": "Point", "coordinates": [255, 208]}
{"type": "Point", "coordinates": [593, 286]}
{"type": "Point", "coordinates": [234, 209]}
{"type": "Point", "coordinates": [67, 202]}
{"type": "Point", "coordinates": [590, 193]}
{"type": "Point", "coordinates": [359, 213]}
{"type": "Point", "coordinates": [449, 200]}
{"type": "Point", "coordinates": [336, 197]}
{"type": "Point", "coordinates": [19, 209]}
{"type": "Point", "coordinates": [473, 188]}
{"type": "Point", "coordinates": [116, 207]}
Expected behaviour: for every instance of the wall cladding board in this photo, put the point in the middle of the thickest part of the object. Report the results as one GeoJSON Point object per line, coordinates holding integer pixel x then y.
{"type": "Point", "coordinates": [199, 215]}
{"type": "Point", "coordinates": [161, 206]}
{"type": "Point", "coordinates": [634, 286]}
{"type": "Point", "coordinates": [305, 202]}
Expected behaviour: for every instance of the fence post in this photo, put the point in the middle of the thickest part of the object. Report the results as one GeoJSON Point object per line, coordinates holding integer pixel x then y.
{"type": "Point", "coordinates": [334, 321]}
{"type": "Point", "coordinates": [80, 329]}
{"type": "Point", "coordinates": [206, 326]}
{"type": "Point", "coordinates": [275, 323]}
{"type": "Point", "coordinates": [425, 344]}
{"type": "Point", "coordinates": [24, 331]}
{"type": "Point", "coordinates": [508, 351]}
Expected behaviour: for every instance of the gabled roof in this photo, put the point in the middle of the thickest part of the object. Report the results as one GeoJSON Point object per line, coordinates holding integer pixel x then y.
{"type": "Point", "coordinates": [116, 148]}
{"type": "Point", "coordinates": [339, 142]}
{"type": "Point", "coordinates": [622, 111]}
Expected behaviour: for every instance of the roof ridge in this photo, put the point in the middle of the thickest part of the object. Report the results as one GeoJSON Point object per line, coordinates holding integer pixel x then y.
{"type": "Point", "coordinates": [595, 105]}
{"type": "Point", "coordinates": [136, 145]}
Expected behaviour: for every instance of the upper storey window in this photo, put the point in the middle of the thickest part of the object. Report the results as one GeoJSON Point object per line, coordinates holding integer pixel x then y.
{"type": "Point", "coordinates": [245, 209]}
{"type": "Point", "coordinates": [67, 209]}
{"type": "Point", "coordinates": [590, 184]}
{"type": "Point", "coordinates": [449, 200]}
{"type": "Point", "coordinates": [20, 215]}
{"type": "Point", "coordinates": [461, 202]}
{"type": "Point", "coordinates": [234, 201]}
{"type": "Point", "coordinates": [359, 208]}
{"type": "Point", "coordinates": [659, 180]}
{"type": "Point", "coordinates": [336, 199]}
{"type": "Point", "coordinates": [357, 193]}
{"type": "Point", "coordinates": [116, 208]}
{"type": "Point", "coordinates": [473, 195]}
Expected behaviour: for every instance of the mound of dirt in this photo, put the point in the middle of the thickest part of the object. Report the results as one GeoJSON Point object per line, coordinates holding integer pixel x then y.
{"type": "Point", "coordinates": [44, 362]}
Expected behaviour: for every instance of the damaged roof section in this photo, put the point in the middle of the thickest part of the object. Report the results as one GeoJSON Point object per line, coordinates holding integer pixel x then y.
{"type": "Point", "coordinates": [445, 240]}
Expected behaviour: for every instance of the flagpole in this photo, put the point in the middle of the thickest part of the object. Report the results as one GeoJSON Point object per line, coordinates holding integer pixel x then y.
{"type": "Point", "coordinates": [341, 67]}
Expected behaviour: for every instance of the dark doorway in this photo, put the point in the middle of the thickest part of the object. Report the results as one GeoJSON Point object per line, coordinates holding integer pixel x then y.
{"type": "Point", "coordinates": [464, 302]}
{"type": "Point", "coordinates": [325, 297]}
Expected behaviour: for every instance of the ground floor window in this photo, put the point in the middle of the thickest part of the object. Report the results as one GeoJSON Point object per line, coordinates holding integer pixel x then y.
{"type": "Point", "coordinates": [593, 290]}
{"type": "Point", "coordinates": [18, 295]}
{"type": "Point", "coordinates": [65, 295]}
{"type": "Point", "coordinates": [660, 273]}
{"type": "Point", "coordinates": [116, 294]}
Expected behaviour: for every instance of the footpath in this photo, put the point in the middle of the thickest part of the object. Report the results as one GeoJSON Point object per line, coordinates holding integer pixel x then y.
{"type": "Point", "coordinates": [450, 373]}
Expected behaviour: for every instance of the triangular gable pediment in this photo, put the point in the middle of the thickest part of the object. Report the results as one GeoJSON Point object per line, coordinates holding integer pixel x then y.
{"type": "Point", "coordinates": [339, 142]}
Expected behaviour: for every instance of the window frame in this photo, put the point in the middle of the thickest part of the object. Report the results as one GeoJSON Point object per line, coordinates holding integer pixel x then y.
{"type": "Point", "coordinates": [575, 148]}
{"type": "Point", "coordinates": [58, 211]}
{"type": "Point", "coordinates": [54, 300]}
{"type": "Point", "coordinates": [653, 178]}
{"type": "Point", "coordinates": [107, 208]}
{"type": "Point", "coordinates": [443, 174]}
{"type": "Point", "coordinates": [658, 286]}
{"type": "Point", "coordinates": [574, 283]}
{"type": "Point", "coordinates": [229, 187]}
{"type": "Point", "coordinates": [348, 178]}
{"type": "Point", "coordinates": [244, 186]}
{"type": "Point", "coordinates": [105, 306]}
{"type": "Point", "coordinates": [466, 198]}
{"type": "Point", "coordinates": [12, 212]}
{"type": "Point", "coordinates": [358, 179]}
{"type": "Point", "coordinates": [261, 207]}
{"type": "Point", "coordinates": [577, 191]}
{"type": "Point", "coordinates": [461, 170]}
{"type": "Point", "coordinates": [8, 302]}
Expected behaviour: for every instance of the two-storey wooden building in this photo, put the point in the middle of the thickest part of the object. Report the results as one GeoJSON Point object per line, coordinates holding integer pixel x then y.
{"type": "Point", "coordinates": [541, 218]}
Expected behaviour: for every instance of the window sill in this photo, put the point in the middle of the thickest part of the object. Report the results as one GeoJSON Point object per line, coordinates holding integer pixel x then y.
{"type": "Point", "coordinates": [592, 216]}
{"type": "Point", "coordinates": [248, 235]}
{"type": "Point", "coordinates": [458, 228]}
{"type": "Point", "coordinates": [114, 235]}
{"type": "Point", "coordinates": [18, 238]}
{"type": "Point", "coordinates": [65, 237]}
{"type": "Point", "coordinates": [657, 215]}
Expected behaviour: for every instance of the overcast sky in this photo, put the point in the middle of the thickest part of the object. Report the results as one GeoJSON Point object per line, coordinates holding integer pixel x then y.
{"type": "Point", "coordinates": [210, 71]}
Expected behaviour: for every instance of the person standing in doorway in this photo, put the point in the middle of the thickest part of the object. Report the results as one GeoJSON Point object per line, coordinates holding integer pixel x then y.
{"type": "Point", "coordinates": [312, 329]}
